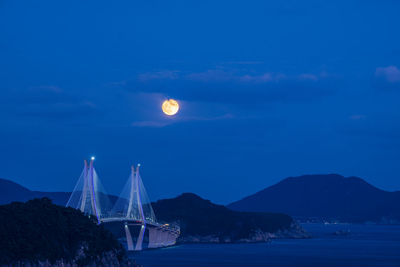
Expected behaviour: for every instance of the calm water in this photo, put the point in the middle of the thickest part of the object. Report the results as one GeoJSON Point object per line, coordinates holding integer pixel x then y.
{"type": "Point", "coordinates": [365, 245]}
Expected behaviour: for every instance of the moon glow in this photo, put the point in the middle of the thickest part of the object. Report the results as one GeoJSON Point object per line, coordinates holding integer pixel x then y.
{"type": "Point", "coordinates": [170, 107]}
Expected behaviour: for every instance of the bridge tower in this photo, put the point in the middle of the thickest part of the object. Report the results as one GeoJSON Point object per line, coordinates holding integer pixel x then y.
{"type": "Point", "coordinates": [88, 195]}
{"type": "Point", "coordinates": [134, 205]}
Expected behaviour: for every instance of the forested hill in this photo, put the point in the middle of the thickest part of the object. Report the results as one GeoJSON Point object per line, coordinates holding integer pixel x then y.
{"type": "Point", "coordinates": [39, 231]}
{"type": "Point", "coordinates": [199, 217]}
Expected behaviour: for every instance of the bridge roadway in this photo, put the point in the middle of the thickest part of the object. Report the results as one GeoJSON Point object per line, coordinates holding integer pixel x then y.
{"type": "Point", "coordinates": [157, 234]}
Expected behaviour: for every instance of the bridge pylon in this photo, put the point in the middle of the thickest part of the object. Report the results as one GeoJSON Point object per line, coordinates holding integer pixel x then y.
{"type": "Point", "coordinates": [134, 205]}
{"type": "Point", "coordinates": [133, 202]}
{"type": "Point", "coordinates": [88, 195]}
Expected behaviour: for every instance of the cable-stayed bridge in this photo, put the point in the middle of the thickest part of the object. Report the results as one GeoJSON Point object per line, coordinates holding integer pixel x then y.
{"type": "Point", "coordinates": [131, 217]}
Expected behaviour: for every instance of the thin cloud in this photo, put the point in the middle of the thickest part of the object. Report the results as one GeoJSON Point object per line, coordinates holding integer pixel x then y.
{"type": "Point", "coordinates": [46, 88]}
{"type": "Point", "coordinates": [217, 75]}
{"type": "Point", "coordinates": [159, 75]}
{"type": "Point", "coordinates": [387, 78]}
{"type": "Point", "coordinates": [60, 111]}
{"type": "Point", "coordinates": [267, 77]}
{"type": "Point", "coordinates": [155, 124]}
{"type": "Point", "coordinates": [235, 87]}
{"type": "Point", "coordinates": [308, 76]}
{"type": "Point", "coordinates": [357, 117]}
{"type": "Point", "coordinates": [158, 123]}
{"type": "Point", "coordinates": [210, 76]}
{"type": "Point", "coordinates": [243, 63]}
{"type": "Point", "coordinates": [390, 74]}
{"type": "Point", "coordinates": [49, 102]}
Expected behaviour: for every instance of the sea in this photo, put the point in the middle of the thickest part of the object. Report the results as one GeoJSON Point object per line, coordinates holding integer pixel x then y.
{"type": "Point", "coordinates": [330, 245]}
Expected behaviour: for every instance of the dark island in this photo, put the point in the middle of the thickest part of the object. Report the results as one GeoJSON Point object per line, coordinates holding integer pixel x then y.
{"type": "Point", "coordinates": [202, 221]}
{"type": "Point", "coordinates": [40, 233]}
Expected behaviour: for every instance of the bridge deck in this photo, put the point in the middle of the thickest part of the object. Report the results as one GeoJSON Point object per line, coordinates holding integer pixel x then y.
{"type": "Point", "coordinates": [165, 227]}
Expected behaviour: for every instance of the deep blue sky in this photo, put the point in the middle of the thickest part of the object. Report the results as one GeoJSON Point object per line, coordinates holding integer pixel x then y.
{"type": "Point", "coordinates": [268, 89]}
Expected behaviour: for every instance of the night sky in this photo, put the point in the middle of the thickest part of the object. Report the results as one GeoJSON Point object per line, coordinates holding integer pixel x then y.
{"type": "Point", "coordinates": [268, 89]}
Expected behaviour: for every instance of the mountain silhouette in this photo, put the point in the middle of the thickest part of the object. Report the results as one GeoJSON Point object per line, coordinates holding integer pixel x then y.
{"type": "Point", "coordinates": [10, 191]}
{"type": "Point", "coordinates": [327, 197]}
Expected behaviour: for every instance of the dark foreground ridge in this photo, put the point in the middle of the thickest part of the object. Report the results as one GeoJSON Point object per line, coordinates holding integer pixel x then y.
{"type": "Point", "coordinates": [202, 221]}
{"type": "Point", "coordinates": [39, 232]}
{"type": "Point", "coordinates": [328, 197]}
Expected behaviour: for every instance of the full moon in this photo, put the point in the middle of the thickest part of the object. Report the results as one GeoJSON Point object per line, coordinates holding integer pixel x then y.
{"type": "Point", "coordinates": [170, 107]}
